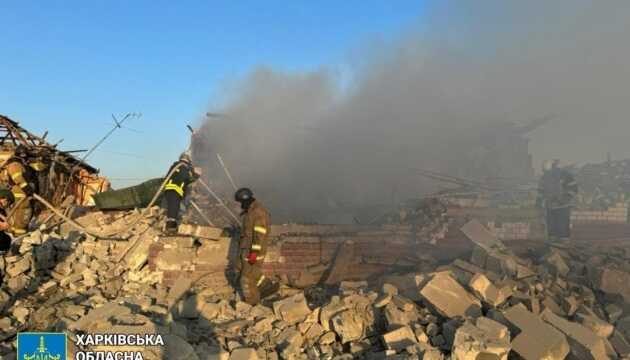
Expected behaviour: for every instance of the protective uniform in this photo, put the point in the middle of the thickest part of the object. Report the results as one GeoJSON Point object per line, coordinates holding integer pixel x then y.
{"type": "Point", "coordinates": [13, 176]}
{"type": "Point", "coordinates": [253, 248]}
{"type": "Point", "coordinates": [175, 189]}
{"type": "Point", "coordinates": [6, 201]}
{"type": "Point", "coordinates": [558, 190]}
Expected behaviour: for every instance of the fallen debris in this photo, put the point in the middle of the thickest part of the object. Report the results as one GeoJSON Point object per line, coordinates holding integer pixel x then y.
{"type": "Point", "coordinates": [497, 305]}
{"type": "Point", "coordinates": [449, 298]}
{"type": "Point", "coordinates": [486, 339]}
{"type": "Point", "coordinates": [537, 340]}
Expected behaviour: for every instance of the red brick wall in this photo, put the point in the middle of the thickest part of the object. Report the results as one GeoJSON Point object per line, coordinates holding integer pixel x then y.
{"type": "Point", "coordinates": [293, 249]}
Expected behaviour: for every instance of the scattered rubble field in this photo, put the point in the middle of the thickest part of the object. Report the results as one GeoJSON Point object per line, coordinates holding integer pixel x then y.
{"type": "Point", "coordinates": [552, 301]}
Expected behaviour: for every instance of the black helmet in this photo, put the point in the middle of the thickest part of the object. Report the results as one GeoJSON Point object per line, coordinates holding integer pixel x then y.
{"type": "Point", "coordinates": [20, 151]}
{"type": "Point", "coordinates": [243, 195]}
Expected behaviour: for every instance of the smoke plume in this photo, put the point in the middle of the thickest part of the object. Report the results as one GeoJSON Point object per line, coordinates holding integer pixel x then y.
{"type": "Point", "coordinates": [316, 151]}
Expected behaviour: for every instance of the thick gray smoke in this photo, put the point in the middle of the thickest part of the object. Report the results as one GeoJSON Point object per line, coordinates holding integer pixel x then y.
{"type": "Point", "coordinates": [314, 152]}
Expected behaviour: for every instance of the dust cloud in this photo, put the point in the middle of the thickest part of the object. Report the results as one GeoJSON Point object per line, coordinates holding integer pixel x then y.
{"type": "Point", "coordinates": [316, 151]}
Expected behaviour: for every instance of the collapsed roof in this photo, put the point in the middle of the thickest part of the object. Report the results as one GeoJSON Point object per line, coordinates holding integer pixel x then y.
{"type": "Point", "coordinates": [58, 173]}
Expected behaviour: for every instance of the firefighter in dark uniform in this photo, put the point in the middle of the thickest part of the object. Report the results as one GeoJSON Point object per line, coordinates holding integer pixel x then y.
{"type": "Point", "coordinates": [559, 190]}
{"type": "Point", "coordinates": [14, 176]}
{"type": "Point", "coordinates": [176, 189]}
{"type": "Point", "coordinates": [6, 202]}
{"type": "Point", "coordinates": [253, 248]}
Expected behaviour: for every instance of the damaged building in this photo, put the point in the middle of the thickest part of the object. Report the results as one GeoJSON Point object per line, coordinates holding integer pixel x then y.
{"type": "Point", "coordinates": [56, 175]}
{"type": "Point", "coordinates": [442, 277]}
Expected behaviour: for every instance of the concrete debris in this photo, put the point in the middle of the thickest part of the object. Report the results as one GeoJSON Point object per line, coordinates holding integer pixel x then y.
{"type": "Point", "coordinates": [536, 340]}
{"type": "Point", "coordinates": [501, 261]}
{"type": "Point", "coordinates": [292, 310]}
{"type": "Point", "coordinates": [480, 235]}
{"type": "Point", "coordinates": [349, 326]}
{"type": "Point", "coordinates": [488, 292]}
{"type": "Point", "coordinates": [244, 354]}
{"type": "Point", "coordinates": [449, 298]}
{"type": "Point", "coordinates": [590, 320]}
{"type": "Point", "coordinates": [557, 263]}
{"type": "Point", "coordinates": [611, 281]}
{"type": "Point", "coordinates": [399, 339]}
{"type": "Point", "coordinates": [585, 344]}
{"type": "Point", "coordinates": [488, 339]}
{"type": "Point", "coordinates": [552, 303]}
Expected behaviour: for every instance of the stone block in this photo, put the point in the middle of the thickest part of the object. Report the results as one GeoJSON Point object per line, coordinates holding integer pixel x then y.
{"type": "Point", "coordinates": [584, 343]}
{"type": "Point", "coordinates": [537, 339]}
{"type": "Point", "coordinates": [480, 235]}
{"type": "Point", "coordinates": [197, 231]}
{"type": "Point", "coordinates": [557, 263]}
{"type": "Point", "coordinates": [407, 285]}
{"type": "Point", "coordinates": [334, 307]}
{"type": "Point", "coordinates": [293, 309]}
{"type": "Point", "coordinates": [174, 259]}
{"type": "Point", "coordinates": [19, 267]}
{"type": "Point", "coordinates": [399, 339]}
{"type": "Point", "coordinates": [349, 326]}
{"type": "Point", "coordinates": [137, 257]}
{"type": "Point", "coordinates": [100, 314]}
{"type": "Point", "coordinates": [395, 317]}
{"type": "Point", "coordinates": [177, 291]}
{"type": "Point", "coordinates": [486, 342]}
{"type": "Point", "coordinates": [449, 298]}
{"type": "Point", "coordinates": [587, 318]}
{"type": "Point", "coordinates": [487, 291]}
{"type": "Point", "coordinates": [390, 289]}
{"type": "Point", "coordinates": [611, 281]}
{"type": "Point", "coordinates": [244, 354]}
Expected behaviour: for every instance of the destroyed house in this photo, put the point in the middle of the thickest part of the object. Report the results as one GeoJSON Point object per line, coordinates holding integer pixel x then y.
{"type": "Point", "coordinates": [55, 174]}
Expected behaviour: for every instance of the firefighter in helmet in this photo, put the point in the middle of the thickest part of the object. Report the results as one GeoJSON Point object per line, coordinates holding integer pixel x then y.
{"type": "Point", "coordinates": [558, 192]}
{"type": "Point", "coordinates": [253, 248]}
{"type": "Point", "coordinates": [14, 176]}
{"type": "Point", "coordinates": [10, 224]}
{"type": "Point", "coordinates": [177, 187]}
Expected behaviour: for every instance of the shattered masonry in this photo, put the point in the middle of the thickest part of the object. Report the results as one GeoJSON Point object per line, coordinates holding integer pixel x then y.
{"type": "Point", "coordinates": [462, 283]}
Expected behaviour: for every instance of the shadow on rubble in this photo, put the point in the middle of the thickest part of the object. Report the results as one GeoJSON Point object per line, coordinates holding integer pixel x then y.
{"type": "Point", "coordinates": [202, 310]}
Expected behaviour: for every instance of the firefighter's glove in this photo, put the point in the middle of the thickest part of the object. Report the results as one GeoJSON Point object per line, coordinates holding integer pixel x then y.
{"type": "Point", "coordinates": [251, 258]}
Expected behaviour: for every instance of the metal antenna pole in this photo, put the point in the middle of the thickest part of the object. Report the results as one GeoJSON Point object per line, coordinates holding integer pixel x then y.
{"type": "Point", "coordinates": [218, 199]}
{"type": "Point", "coordinates": [227, 172]}
{"type": "Point", "coordinates": [118, 124]}
{"type": "Point", "coordinates": [200, 212]}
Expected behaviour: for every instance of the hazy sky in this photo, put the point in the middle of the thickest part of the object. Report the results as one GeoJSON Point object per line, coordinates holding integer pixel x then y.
{"type": "Point", "coordinates": [66, 66]}
{"type": "Point", "coordinates": [421, 99]}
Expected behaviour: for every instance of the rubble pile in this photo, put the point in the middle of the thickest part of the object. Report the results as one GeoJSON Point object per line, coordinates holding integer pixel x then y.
{"type": "Point", "coordinates": [427, 217]}
{"type": "Point", "coordinates": [603, 185]}
{"type": "Point", "coordinates": [561, 302]}
{"type": "Point", "coordinates": [55, 277]}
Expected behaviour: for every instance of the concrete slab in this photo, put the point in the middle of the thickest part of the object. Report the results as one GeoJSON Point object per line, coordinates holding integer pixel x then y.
{"type": "Point", "coordinates": [537, 340]}
{"type": "Point", "coordinates": [584, 343]}
{"type": "Point", "coordinates": [449, 298]}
